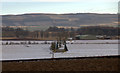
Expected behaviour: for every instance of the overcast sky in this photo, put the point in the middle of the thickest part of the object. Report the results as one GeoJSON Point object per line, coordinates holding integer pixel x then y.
{"type": "Point", "coordinates": [57, 0]}
{"type": "Point", "coordinates": [59, 6]}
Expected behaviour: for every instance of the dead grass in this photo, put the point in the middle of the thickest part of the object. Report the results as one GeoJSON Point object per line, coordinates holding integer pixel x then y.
{"type": "Point", "coordinates": [96, 64]}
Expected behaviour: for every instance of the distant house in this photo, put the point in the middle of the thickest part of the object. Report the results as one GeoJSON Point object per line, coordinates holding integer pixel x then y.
{"type": "Point", "coordinates": [103, 37]}
{"type": "Point", "coordinates": [100, 37]}
{"type": "Point", "coordinates": [70, 39]}
{"type": "Point", "coordinates": [85, 37]}
{"type": "Point", "coordinates": [108, 37]}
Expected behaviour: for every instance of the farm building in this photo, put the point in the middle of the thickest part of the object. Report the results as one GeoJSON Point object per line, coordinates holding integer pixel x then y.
{"type": "Point", "coordinates": [85, 37]}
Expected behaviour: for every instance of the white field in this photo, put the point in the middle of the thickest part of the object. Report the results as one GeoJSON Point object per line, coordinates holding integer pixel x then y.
{"type": "Point", "coordinates": [41, 51]}
{"type": "Point", "coordinates": [74, 41]}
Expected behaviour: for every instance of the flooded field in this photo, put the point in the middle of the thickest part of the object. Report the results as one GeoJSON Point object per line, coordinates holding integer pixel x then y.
{"type": "Point", "coordinates": [76, 48]}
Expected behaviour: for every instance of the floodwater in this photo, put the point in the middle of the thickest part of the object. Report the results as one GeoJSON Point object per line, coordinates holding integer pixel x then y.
{"type": "Point", "coordinates": [76, 48]}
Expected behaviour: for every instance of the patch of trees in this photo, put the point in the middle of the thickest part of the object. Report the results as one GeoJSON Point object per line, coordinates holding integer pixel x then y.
{"type": "Point", "coordinates": [11, 32]}
{"type": "Point", "coordinates": [59, 32]}
{"type": "Point", "coordinates": [97, 30]}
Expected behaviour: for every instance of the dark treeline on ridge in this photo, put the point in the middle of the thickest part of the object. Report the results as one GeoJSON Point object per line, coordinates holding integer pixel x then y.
{"type": "Point", "coordinates": [54, 32]}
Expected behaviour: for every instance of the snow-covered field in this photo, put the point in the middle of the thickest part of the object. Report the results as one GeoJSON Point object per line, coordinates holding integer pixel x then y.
{"type": "Point", "coordinates": [41, 51]}
{"type": "Point", "coordinates": [74, 41]}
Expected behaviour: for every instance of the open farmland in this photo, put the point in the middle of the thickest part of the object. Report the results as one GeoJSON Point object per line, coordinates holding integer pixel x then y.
{"type": "Point", "coordinates": [94, 64]}
{"type": "Point", "coordinates": [41, 57]}
{"type": "Point", "coordinates": [88, 48]}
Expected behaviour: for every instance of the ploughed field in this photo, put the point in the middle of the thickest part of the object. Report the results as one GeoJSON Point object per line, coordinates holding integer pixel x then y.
{"type": "Point", "coordinates": [87, 64]}
{"type": "Point", "coordinates": [76, 48]}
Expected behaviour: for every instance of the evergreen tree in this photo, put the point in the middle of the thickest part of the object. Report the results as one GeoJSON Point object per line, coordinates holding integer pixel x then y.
{"type": "Point", "coordinates": [66, 47]}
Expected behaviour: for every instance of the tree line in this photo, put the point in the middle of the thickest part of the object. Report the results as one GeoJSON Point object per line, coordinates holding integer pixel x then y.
{"type": "Point", "coordinates": [55, 32]}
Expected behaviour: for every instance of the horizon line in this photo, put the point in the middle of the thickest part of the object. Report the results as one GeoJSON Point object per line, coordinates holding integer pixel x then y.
{"type": "Point", "coordinates": [60, 13]}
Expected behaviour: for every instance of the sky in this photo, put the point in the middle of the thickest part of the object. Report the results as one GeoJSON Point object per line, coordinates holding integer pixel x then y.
{"type": "Point", "coordinates": [58, 6]}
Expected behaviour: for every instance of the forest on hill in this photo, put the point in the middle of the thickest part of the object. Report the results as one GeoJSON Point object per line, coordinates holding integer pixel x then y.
{"type": "Point", "coordinates": [44, 21]}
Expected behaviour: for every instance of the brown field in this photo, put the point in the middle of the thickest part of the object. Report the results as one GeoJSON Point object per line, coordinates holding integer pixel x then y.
{"type": "Point", "coordinates": [28, 38]}
{"type": "Point", "coordinates": [94, 64]}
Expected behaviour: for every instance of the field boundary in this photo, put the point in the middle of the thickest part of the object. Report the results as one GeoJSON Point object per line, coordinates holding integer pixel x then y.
{"type": "Point", "coordinates": [67, 58]}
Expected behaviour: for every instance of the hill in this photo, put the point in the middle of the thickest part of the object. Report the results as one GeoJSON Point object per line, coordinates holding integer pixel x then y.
{"type": "Point", "coordinates": [71, 20]}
